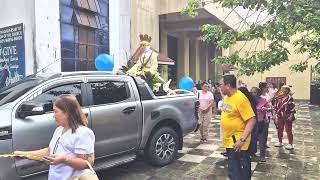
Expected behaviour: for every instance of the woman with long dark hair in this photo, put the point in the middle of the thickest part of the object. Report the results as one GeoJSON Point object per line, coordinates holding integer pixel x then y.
{"type": "Point", "coordinates": [72, 144]}
{"type": "Point", "coordinates": [250, 97]}
{"type": "Point", "coordinates": [263, 86]}
{"type": "Point", "coordinates": [262, 122]}
{"type": "Point", "coordinates": [217, 94]}
{"type": "Point", "coordinates": [254, 136]}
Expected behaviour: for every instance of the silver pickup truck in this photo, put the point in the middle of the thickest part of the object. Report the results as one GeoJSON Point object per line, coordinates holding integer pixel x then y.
{"type": "Point", "coordinates": [123, 112]}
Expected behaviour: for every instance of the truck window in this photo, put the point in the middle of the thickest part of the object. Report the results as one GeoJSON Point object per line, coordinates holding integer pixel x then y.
{"type": "Point", "coordinates": [109, 92]}
{"type": "Point", "coordinates": [52, 94]}
{"type": "Point", "coordinates": [14, 91]}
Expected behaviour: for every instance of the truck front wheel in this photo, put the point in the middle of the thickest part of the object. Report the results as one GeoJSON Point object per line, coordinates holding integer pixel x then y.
{"type": "Point", "coordinates": [163, 146]}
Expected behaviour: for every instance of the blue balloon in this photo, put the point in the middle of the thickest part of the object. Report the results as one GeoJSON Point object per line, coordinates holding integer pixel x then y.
{"type": "Point", "coordinates": [186, 83]}
{"type": "Point", "coordinates": [104, 62]}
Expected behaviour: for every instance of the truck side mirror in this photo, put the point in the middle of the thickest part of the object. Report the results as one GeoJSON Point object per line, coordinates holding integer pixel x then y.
{"type": "Point", "coordinates": [30, 109]}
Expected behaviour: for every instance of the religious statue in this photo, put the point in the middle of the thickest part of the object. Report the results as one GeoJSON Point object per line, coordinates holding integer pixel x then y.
{"type": "Point", "coordinates": [147, 65]}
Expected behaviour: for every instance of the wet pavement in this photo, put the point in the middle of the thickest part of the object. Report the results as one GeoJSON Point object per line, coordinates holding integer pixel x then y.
{"type": "Point", "coordinates": [203, 161]}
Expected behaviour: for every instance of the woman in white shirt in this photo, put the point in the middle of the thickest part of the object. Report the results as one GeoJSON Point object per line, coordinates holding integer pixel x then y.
{"type": "Point", "coordinates": [72, 143]}
{"type": "Point", "coordinates": [206, 103]}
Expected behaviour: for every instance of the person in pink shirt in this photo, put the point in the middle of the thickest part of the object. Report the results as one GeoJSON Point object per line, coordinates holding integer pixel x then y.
{"type": "Point", "coordinates": [266, 94]}
{"type": "Point", "coordinates": [205, 112]}
{"type": "Point", "coordinates": [262, 121]}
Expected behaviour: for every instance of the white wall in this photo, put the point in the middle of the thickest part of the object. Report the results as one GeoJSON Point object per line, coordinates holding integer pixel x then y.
{"type": "Point", "coordinates": [21, 11]}
{"type": "Point", "coordinates": [42, 26]}
{"type": "Point", "coordinates": [119, 28]}
{"type": "Point", "coordinates": [47, 26]}
{"type": "Point", "coordinates": [145, 20]}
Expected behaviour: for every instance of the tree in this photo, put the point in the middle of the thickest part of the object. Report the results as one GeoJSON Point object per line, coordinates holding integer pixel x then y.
{"type": "Point", "coordinates": [286, 19]}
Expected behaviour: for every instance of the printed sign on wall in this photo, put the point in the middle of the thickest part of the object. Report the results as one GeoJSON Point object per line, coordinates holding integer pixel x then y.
{"type": "Point", "coordinates": [12, 54]}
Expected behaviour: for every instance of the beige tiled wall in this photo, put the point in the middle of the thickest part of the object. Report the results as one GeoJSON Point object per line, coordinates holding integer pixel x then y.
{"type": "Point", "coordinates": [300, 81]}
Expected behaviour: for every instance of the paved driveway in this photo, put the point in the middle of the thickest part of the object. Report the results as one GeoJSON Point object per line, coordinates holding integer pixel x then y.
{"type": "Point", "coordinates": [203, 161]}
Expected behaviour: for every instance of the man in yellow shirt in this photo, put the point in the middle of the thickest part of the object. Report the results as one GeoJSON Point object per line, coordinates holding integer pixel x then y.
{"type": "Point", "coordinates": [237, 122]}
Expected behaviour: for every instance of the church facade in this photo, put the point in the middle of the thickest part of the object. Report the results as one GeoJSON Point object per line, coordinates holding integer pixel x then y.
{"type": "Point", "coordinates": [65, 35]}
{"type": "Point", "coordinates": [178, 37]}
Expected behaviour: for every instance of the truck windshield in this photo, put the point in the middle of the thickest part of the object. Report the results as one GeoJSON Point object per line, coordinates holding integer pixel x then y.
{"type": "Point", "coordinates": [14, 91]}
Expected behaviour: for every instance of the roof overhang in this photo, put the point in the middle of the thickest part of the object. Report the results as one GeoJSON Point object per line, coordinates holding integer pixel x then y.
{"type": "Point", "coordinates": [177, 23]}
{"type": "Point", "coordinates": [162, 58]}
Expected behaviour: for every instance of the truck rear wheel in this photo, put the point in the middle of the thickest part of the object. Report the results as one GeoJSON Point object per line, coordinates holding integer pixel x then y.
{"type": "Point", "coordinates": [163, 146]}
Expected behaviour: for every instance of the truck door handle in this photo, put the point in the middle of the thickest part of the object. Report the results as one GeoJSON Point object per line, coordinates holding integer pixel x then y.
{"type": "Point", "coordinates": [129, 110]}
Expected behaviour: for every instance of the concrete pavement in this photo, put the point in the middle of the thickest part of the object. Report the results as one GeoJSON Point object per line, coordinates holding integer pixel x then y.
{"type": "Point", "coordinates": [203, 161]}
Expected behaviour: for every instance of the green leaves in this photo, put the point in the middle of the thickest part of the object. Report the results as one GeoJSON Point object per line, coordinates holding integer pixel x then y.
{"type": "Point", "coordinates": [191, 8]}
{"type": "Point", "coordinates": [214, 34]}
{"type": "Point", "coordinates": [310, 44]}
{"type": "Point", "coordinates": [289, 18]}
{"type": "Point", "coordinates": [211, 33]}
{"type": "Point", "coordinates": [227, 40]}
{"type": "Point", "coordinates": [302, 66]}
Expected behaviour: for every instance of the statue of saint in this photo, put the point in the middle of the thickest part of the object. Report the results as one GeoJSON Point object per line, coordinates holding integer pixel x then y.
{"type": "Point", "coordinates": [147, 65]}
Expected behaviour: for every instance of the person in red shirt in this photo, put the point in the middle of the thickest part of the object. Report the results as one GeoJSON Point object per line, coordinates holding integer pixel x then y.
{"type": "Point", "coordinates": [284, 112]}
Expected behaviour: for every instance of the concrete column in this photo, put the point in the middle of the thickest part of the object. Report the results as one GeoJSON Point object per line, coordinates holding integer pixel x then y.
{"type": "Point", "coordinates": [212, 74]}
{"type": "Point", "coordinates": [163, 42]}
{"type": "Point", "coordinates": [203, 61]}
{"type": "Point", "coordinates": [218, 67]}
{"type": "Point", "coordinates": [193, 59]}
{"type": "Point", "coordinates": [119, 32]}
{"type": "Point", "coordinates": [198, 60]}
{"type": "Point", "coordinates": [183, 57]}
{"type": "Point", "coordinates": [164, 50]}
{"type": "Point", "coordinates": [211, 64]}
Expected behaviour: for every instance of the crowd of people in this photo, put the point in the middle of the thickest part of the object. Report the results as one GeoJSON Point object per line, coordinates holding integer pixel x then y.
{"type": "Point", "coordinates": [245, 117]}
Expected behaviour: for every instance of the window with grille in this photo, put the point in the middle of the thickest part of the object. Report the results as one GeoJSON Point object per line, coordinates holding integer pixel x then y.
{"type": "Point", "coordinates": [84, 28]}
